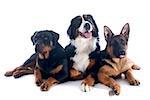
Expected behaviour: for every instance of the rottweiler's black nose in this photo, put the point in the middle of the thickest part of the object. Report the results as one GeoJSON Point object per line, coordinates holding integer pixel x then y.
{"type": "Point", "coordinates": [87, 26]}
{"type": "Point", "coordinates": [122, 52]}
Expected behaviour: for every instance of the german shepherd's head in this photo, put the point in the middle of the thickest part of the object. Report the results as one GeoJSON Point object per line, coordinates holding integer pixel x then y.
{"type": "Point", "coordinates": [117, 44]}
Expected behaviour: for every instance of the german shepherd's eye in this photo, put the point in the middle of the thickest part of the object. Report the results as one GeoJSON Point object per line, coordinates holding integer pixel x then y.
{"type": "Point", "coordinates": [114, 42]}
{"type": "Point", "coordinates": [123, 41]}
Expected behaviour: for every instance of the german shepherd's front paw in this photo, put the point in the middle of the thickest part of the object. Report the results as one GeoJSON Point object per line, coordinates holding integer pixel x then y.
{"type": "Point", "coordinates": [38, 82]}
{"type": "Point", "coordinates": [85, 87]}
{"type": "Point", "coordinates": [115, 90]}
{"type": "Point", "coordinates": [134, 82]}
{"type": "Point", "coordinates": [136, 67]}
{"type": "Point", "coordinates": [45, 86]}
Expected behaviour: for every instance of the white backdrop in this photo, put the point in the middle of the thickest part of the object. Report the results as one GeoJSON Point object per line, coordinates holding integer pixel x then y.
{"type": "Point", "coordinates": [19, 19]}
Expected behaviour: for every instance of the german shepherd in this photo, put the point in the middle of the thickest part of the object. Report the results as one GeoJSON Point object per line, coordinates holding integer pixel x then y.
{"type": "Point", "coordinates": [116, 61]}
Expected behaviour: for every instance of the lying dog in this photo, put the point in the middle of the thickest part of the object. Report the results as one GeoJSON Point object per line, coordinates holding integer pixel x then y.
{"type": "Point", "coordinates": [26, 69]}
{"type": "Point", "coordinates": [115, 60]}
{"type": "Point", "coordinates": [51, 61]}
{"type": "Point", "coordinates": [83, 33]}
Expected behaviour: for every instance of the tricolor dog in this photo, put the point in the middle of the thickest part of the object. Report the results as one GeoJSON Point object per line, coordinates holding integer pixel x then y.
{"type": "Point", "coordinates": [84, 42]}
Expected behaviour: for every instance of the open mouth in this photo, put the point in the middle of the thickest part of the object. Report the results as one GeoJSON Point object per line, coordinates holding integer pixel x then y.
{"type": "Point", "coordinates": [86, 34]}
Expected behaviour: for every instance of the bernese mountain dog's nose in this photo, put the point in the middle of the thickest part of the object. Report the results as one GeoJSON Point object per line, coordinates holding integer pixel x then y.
{"type": "Point", "coordinates": [87, 26]}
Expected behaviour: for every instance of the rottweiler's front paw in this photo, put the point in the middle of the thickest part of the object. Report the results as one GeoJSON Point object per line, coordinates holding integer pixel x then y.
{"type": "Point", "coordinates": [9, 73]}
{"type": "Point", "coordinates": [45, 86]}
{"type": "Point", "coordinates": [38, 82]}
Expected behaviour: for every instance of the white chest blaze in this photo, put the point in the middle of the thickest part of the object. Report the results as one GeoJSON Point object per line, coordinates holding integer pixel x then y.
{"type": "Point", "coordinates": [84, 47]}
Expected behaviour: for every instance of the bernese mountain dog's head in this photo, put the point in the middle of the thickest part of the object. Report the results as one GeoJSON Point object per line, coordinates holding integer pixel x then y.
{"type": "Point", "coordinates": [83, 26]}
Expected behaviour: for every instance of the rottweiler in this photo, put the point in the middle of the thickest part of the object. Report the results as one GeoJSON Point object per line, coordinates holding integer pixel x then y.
{"type": "Point", "coordinates": [115, 61]}
{"type": "Point", "coordinates": [48, 64]}
{"type": "Point", "coordinates": [51, 61]}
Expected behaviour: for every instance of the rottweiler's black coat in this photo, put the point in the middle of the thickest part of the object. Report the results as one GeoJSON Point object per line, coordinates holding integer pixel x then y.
{"type": "Point", "coordinates": [51, 60]}
{"type": "Point", "coordinates": [56, 57]}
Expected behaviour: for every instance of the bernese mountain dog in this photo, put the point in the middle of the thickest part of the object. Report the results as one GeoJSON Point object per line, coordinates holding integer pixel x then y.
{"type": "Point", "coordinates": [84, 43]}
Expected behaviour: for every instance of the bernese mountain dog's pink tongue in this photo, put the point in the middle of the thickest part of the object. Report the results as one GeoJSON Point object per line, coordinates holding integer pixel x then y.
{"type": "Point", "coordinates": [86, 34]}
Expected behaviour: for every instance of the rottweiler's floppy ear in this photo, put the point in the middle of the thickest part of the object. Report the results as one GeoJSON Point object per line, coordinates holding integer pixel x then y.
{"type": "Point", "coordinates": [33, 37]}
{"type": "Point", "coordinates": [125, 31]}
{"type": "Point", "coordinates": [69, 31]}
{"type": "Point", "coordinates": [107, 33]}
{"type": "Point", "coordinates": [55, 37]}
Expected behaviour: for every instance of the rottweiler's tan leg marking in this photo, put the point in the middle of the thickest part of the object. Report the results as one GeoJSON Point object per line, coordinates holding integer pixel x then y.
{"type": "Point", "coordinates": [38, 77]}
{"type": "Point", "coordinates": [45, 86]}
{"type": "Point", "coordinates": [21, 70]}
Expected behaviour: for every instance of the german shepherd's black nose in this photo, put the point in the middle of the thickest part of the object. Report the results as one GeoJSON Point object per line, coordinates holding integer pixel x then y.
{"type": "Point", "coordinates": [122, 52]}
{"type": "Point", "coordinates": [87, 26]}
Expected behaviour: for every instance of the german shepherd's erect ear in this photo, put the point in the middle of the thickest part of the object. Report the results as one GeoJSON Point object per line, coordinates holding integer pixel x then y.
{"type": "Point", "coordinates": [108, 33]}
{"type": "Point", "coordinates": [125, 31]}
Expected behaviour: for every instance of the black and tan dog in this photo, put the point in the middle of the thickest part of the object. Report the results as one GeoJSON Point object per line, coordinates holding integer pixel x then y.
{"type": "Point", "coordinates": [115, 60]}
{"type": "Point", "coordinates": [50, 61]}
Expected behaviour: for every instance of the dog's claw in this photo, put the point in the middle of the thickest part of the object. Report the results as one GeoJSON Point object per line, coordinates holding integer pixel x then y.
{"type": "Point", "coordinates": [134, 82]}
{"type": "Point", "coordinates": [45, 86]}
{"type": "Point", "coordinates": [8, 74]}
{"type": "Point", "coordinates": [135, 67]}
{"type": "Point", "coordinates": [113, 92]}
{"type": "Point", "coordinates": [85, 87]}
{"type": "Point", "coordinates": [38, 82]}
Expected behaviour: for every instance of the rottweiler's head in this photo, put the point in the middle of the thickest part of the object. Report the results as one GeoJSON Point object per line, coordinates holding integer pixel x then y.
{"type": "Point", "coordinates": [117, 44]}
{"type": "Point", "coordinates": [84, 26]}
{"type": "Point", "coordinates": [44, 42]}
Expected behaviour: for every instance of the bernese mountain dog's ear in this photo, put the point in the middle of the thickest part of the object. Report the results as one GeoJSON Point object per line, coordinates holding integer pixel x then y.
{"type": "Point", "coordinates": [75, 24]}
{"type": "Point", "coordinates": [55, 37]}
{"type": "Point", "coordinates": [95, 31]}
